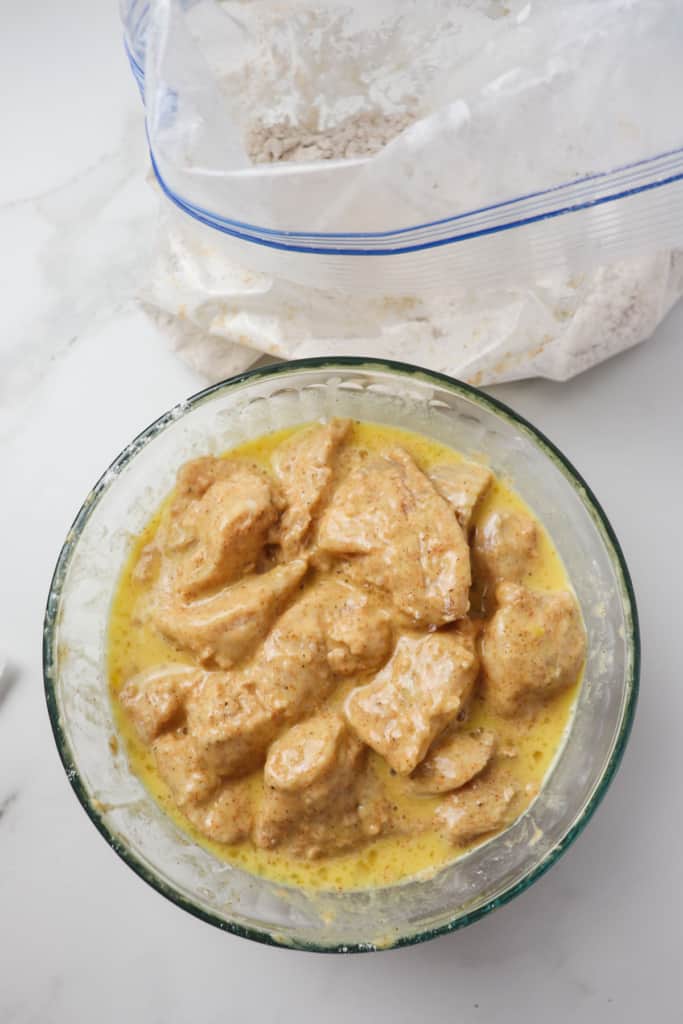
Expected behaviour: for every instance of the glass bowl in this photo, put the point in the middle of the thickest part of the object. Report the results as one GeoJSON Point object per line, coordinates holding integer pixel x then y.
{"type": "Point", "coordinates": [75, 650]}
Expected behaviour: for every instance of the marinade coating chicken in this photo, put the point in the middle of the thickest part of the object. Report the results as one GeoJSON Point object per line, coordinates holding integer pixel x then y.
{"type": "Point", "coordinates": [419, 691]}
{"type": "Point", "coordinates": [227, 816]}
{"type": "Point", "coordinates": [304, 467]}
{"type": "Point", "coordinates": [358, 630]}
{"type": "Point", "coordinates": [484, 805]}
{"type": "Point", "coordinates": [181, 768]}
{"type": "Point", "coordinates": [217, 525]}
{"type": "Point", "coordinates": [533, 646]}
{"type": "Point", "coordinates": [234, 716]}
{"type": "Point", "coordinates": [505, 547]}
{"type": "Point", "coordinates": [454, 760]}
{"type": "Point", "coordinates": [231, 717]}
{"type": "Point", "coordinates": [223, 629]}
{"type": "Point", "coordinates": [323, 606]}
{"type": "Point", "coordinates": [312, 789]}
{"type": "Point", "coordinates": [202, 724]}
{"type": "Point", "coordinates": [220, 810]}
{"type": "Point", "coordinates": [230, 723]}
{"type": "Point", "coordinates": [193, 480]}
{"type": "Point", "coordinates": [401, 537]}
{"type": "Point", "coordinates": [292, 670]}
{"type": "Point", "coordinates": [463, 485]}
{"type": "Point", "coordinates": [155, 699]}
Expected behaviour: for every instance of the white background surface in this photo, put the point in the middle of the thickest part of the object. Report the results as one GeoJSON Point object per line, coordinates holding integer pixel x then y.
{"type": "Point", "coordinates": [81, 371]}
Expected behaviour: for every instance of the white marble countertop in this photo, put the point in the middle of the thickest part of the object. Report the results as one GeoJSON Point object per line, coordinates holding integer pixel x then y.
{"type": "Point", "coordinates": [83, 369]}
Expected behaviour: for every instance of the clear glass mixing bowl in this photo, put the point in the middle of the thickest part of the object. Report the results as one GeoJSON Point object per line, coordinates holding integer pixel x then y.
{"type": "Point", "coordinates": [75, 648]}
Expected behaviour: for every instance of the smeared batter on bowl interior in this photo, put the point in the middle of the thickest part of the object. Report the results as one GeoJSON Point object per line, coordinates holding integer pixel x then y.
{"type": "Point", "coordinates": [305, 680]}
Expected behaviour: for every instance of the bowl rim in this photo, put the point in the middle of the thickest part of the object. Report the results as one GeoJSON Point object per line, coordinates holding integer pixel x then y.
{"type": "Point", "coordinates": [340, 363]}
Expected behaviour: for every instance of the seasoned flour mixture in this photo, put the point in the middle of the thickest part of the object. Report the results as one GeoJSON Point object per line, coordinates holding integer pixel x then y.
{"type": "Point", "coordinates": [360, 135]}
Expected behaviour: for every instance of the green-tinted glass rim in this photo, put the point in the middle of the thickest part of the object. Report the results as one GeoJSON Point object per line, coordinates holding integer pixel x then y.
{"type": "Point", "coordinates": [332, 364]}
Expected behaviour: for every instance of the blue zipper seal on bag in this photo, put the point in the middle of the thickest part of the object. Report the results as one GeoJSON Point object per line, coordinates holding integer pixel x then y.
{"type": "Point", "coordinates": [285, 240]}
{"type": "Point", "coordinates": [629, 180]}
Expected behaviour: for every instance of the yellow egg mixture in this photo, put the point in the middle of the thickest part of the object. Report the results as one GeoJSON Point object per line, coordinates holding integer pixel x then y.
{"type": "Point", "coordinates": [135, 645]}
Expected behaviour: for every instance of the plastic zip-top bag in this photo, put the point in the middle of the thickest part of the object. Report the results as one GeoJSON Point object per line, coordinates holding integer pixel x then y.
{"type": "Point", "coordinates": [336, 157]}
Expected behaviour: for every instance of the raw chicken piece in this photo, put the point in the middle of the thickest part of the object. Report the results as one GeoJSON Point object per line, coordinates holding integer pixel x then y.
{"type": "Point", "coordinates": [505, 547]}
{"type": "Point", "coordinates": [221, 811]}
{"type": "Point", "coordinates": [230, 724]}
{"type": "Point", "coordinates": [532, 647]}
{"type": "Point", "coordinates": [311, 789]}
{"type": "Point", "coordinates": [155, 699]}
{"type": "Point", "coordinates": [233, 716]}
{"type": "Point", "coordinates": [292, 671]}
{"type": "Point", "coordinates": [308, 755]}
{"type": "Point", "coordinates": [227, 816]}
{"type": "Point", "coordinates": [304, 467]}
{"type": "Point", "coordinates": [236, 715]}
{"type": "Point", "coordinates": [454, 761]}
{"type": "Point", "coordinates": [222, 630]}
{"type": "Point", "coordinates": [486, 804]}
{"type": "Point", "coordinates": [359, 632]}
{"type": "Point", "coordinates": [213, 539]}
{"type": "Point", "coordinates": [403, 537]}
{"type": "Point", "coordinates": [193, 480]}
{"type": "Point", "coordinates": [180, 766]}
{"type": "Point", "coordinates": [414, 697]}
{"type": "Point", "coordinates": [463, 486]}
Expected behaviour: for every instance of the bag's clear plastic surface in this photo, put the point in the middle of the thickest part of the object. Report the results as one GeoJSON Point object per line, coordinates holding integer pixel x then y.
{"type": "Point", "coordinates": [539, 141]}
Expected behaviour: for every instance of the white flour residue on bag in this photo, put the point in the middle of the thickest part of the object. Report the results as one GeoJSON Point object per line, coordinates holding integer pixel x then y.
{"type": "Point", "coordinates": [225, 316]}
{"type": "Point", "coordinates": [393, 126]}
{"type": "Point", "coordinates": [359, 135]}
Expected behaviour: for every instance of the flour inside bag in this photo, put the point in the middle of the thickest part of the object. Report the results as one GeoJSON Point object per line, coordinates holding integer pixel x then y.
{"type": "Point", "coordinates": [494, 190]}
